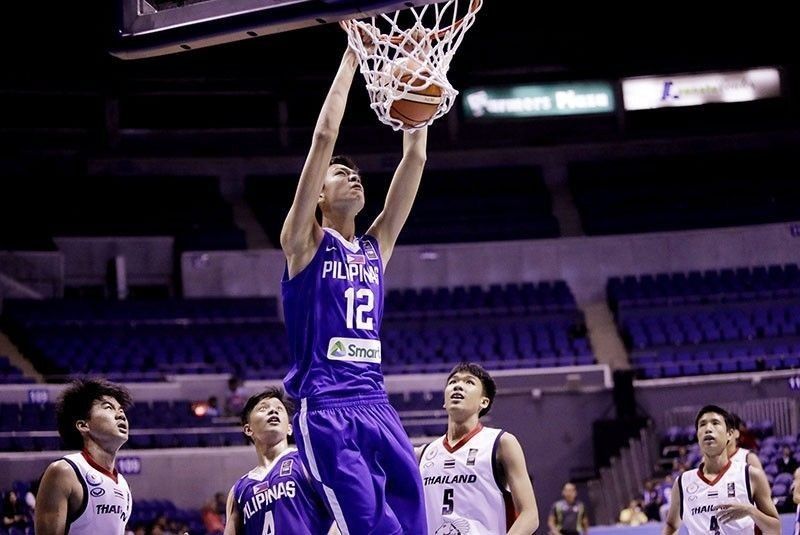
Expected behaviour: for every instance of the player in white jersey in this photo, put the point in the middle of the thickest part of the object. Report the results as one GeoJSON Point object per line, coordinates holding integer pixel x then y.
{"type": "Point", "coordinates": [475, 477]}
{"type": "Point", "coordinates": [721, 497]}
{"type": "Point", "coordinates": [82, 493]}
{"type": "Point", "coordinates": [738, 454]}
{"type": "Point", "coordinates": [796, 498]}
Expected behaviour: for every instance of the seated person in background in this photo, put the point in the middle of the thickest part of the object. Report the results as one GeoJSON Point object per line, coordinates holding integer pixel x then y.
{"type": "Point", "coordinates": [633, 514]}
{"type": "Point", "coordinates": [14, 518]}
{"type": "Point", "coordinates": [787, 462]}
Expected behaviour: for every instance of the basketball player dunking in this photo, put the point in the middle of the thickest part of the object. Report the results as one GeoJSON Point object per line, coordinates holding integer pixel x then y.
{"type": "Point", "coordinates": [350, 438]}
{"type": "Point", "coordinates": [721, 497]}
{"type": "Point", "coordinates": [475, 477]}
{"type": "Point", "coordinates": [276, 496]}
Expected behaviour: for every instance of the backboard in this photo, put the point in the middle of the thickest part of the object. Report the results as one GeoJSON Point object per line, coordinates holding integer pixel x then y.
{"type": "Point", "coordinates": [148, 28]}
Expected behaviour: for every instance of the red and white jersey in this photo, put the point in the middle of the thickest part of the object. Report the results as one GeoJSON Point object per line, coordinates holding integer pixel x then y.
{"type": "Point", "coordinates": [700, 499]}
{"type": "Point", "coordinates": [462, 486]}
{"type": "Point", "coordinates": [106, 506]}
{"type": "Point", "coordinates": [740, 455]}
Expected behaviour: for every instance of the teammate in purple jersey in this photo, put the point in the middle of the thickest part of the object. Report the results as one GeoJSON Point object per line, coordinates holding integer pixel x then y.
{"type": "Point", "coordinates": [351, 439]}
{"type": "Point", "coordinates": [276, 496]}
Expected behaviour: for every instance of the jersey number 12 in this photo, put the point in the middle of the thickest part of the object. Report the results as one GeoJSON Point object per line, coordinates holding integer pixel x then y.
{"type": "Point", "coordinates": [359, 312]}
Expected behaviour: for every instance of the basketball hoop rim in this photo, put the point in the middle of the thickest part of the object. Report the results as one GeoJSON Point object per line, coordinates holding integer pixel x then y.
{"type": "Point", "coordinates": [474, 6]}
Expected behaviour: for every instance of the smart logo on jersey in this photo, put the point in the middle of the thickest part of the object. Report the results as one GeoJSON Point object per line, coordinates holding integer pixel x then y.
{"type": "Point", "coordinates": [473, 452]}
{"type": "Point", "coordinates": [337, 350]}
{"type": "Point", "coordinates": [354, 350]}
{"type": "Point", "coordinates": [731, 489]}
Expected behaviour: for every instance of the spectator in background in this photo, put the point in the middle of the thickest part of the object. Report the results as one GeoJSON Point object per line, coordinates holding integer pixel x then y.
{"type": "Point", "coordinates": [665, 491]}
{"type": "Point", "coordinates": [745, 438]}
{"type": "Point", "coordinates": [651, 500]}
{"type": "Point", "coordinates": [213, 407]}
{"type": "Point", "coordinates": [568, 516]}
{"type": "Point", "coordinates": [30, 496]}
{"type": "Point", "coordinates": [212, 520]}
{"type": "Point", "coordinates": [236, 397]}
{"type": "Point", "coordinates": [787, 462]}
{"type": "Point", "coordinates": [633, 514]}
{"type": "Point", "coordinates": [15, 521]}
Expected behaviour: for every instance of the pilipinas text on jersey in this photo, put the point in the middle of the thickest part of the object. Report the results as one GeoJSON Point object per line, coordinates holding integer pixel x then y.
{"type": "Point", "coordinates": [279, 499]}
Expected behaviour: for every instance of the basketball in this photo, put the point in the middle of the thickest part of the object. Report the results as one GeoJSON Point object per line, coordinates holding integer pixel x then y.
{"type": "Point", "coordinates": [416, 107]}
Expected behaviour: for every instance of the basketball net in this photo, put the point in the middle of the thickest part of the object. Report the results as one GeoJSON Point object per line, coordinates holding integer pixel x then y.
{"type": "Point", "coordinates": [418, 40]}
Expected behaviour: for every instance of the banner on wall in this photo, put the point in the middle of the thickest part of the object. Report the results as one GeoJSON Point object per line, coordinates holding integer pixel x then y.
{"type": "Point", "coordinates": [650, 92]}
{"type": "Point", "coordinates": [539, 100]}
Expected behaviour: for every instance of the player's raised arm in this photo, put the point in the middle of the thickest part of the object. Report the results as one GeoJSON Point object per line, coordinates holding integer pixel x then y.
{"type": "Point", "coordinates": [301, 234]}
{"type": "Point", "coordinates": [402, 192]}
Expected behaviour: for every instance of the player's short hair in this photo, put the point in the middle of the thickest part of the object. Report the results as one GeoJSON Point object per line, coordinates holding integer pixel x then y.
{"type": "Point", "coordinates": [76, 402]}
{"type": "Point", "coordinates": [489, 386]}
{"type": "Point", "coordinates": [729, 421]}
{"type": "Point", "coordinates": [271, 392]}
{"type": "Point", "coordinates": [341, 159]}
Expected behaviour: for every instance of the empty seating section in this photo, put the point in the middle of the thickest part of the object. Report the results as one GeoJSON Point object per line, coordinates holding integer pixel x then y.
{"type": "Point", "coordinates": [731, 320]}
{"type": "Point", "coordinates": [143, 341]}
{"type": "Point", "coordinates": [685, 192]}
{"type": "Point", "coordinates": [146, 512]}
{"type": "Point", "coordinates": [504, 326]}
{"type": "Point", "coordinates": [513, 204]}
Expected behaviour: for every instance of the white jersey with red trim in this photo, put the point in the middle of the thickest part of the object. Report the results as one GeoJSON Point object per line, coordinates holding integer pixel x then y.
{"type": "Point", "coordinates": [700, 499]}
{"type": "Point", "coordinates": [462, 487]}
{"type": "Point", "coordinates": [106, 506]}
{"type": "Point", "coordinates": [740, 455]}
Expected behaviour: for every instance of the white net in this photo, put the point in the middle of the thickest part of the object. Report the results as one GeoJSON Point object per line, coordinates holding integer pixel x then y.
{"type": "Point", "coordinates": [403, 54]}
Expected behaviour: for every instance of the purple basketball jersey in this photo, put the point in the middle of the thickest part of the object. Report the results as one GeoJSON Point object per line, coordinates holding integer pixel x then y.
{"type": "Point", "coordinates": [333, 310]}
{"type": "Point", "coordinates": [280, 500]}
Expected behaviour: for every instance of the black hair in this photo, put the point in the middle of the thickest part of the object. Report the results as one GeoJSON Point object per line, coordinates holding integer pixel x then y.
{"type": "Point", "coordinates": [729, 421]}
{"type": "Point", "coordinates": [489, 387]}
{"type": "Point", "coordinates": [271, 392]}
{"type": "Point", "coordinates": [341, 159]}
{"type": "Point", "coordinates": [76, 402]}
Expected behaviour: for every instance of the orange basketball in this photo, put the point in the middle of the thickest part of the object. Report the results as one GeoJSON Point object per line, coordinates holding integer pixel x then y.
{"type": "Point", "coordinates": [416, 107]}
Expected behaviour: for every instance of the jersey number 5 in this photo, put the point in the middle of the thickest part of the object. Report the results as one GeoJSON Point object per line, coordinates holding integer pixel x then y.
{"type": "Point", "coordinates": [447, 504]}
{"type": "Point", "coordinates": [359, 313]}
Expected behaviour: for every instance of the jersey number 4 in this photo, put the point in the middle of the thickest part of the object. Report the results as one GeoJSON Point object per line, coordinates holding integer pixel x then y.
{"type": "Point", "coordinates": [269, 524]}
{"type": "Point", "coordinates": [713, 528]}
{"type": "Point", "coordinates": [359, 304]}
